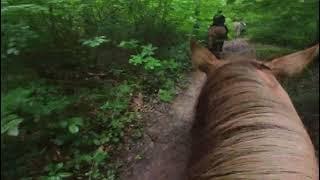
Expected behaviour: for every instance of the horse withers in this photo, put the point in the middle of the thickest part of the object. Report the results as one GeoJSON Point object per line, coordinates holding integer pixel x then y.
{"type": "Point", "coordinates": [246, 126]}
{"type": "Point", "coordinates": [216, 37]}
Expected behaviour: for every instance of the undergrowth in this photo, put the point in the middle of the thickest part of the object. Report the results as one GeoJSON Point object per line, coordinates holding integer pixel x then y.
{"type": "Point", "coordinates": [54, 132]}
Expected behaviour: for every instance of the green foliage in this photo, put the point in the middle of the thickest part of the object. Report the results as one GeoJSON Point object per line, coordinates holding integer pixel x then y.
{"type": "Point", "coordinates": [44, 110]}
{"type": "Point", "coordinates": [35, 102]}
{"type": "Point", "coordinates": [74, 124]}
{"type": "Point", "coordinates": [10, 105]}
{"type": "Point", "coordinates": [95, 42]}
{"type": "Point", "coordinates": [74, 131]}
{"type": "Point", "coordinates": [166, 95]}
{"type": "Point", "coordinates": [61, 24]}
{"type": "Point", "coordinates": [290, 23]}
{"type": "Point", "coordinates": [54, 172]}
{"type": "Point", "coordinates": [145, 58]}
{"type": "Point", "coordinates": [15, 100]}
{"type": "Point", "coordinates": [158, 75]}
{"type": "Point", "coordinates": [10, 124]}
{"type": "Point", "coordinates": [267, 52]}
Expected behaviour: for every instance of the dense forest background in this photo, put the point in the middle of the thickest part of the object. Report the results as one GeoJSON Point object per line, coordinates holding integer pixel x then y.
{"type": "Point", "coordinates": [70, 69]}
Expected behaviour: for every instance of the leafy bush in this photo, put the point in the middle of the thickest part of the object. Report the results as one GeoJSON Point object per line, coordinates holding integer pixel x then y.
{"type": "Point", "coordinates": [159, 76]}
{"type": "Point", "coordinates": [11, 104]}
{"type": "Point", "coordinates": [83, 142]}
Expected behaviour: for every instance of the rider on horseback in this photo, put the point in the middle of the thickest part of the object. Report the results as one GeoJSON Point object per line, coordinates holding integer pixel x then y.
{"type": "Point", "coordinates": [219, 20]}
{"type": "Point", "coordinates": [217, 33]}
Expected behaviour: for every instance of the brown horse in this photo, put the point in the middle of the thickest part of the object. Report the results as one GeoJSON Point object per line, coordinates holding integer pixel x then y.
{"type": "Point", "coordinates": [246, 126]}
{"type": "Point", "coordinates": [216, 37]}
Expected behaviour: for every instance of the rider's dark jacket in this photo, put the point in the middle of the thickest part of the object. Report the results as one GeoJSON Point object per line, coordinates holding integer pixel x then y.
{"type": "Point", "coordinates": [219, 20]}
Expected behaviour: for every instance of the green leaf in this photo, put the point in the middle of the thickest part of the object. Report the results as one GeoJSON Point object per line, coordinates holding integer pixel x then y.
{"type": "Point", "coordinates": [64, 174]}
{"type": "Point", "coordinates": [10, 122]}
{"type": "Point", "coordinates": [96, 142]}
{"type": "Point", "coordinates": [59, 166]}
{"type": "Point", "coordinates": [30, 8]}
{"type": "Point", "coordinates": [73, 128]}
{"type": "Point", "coordinates": [13, 51]}
{"type": "Point", "coordinates": [148, 50]}
{"type": "Point", "coordinates": [152, 63]}
{"type": "Point", "coordinates": [123, 89]}
{"type": "Point", "coordinates": [171, 64]}
{"type": "Point", "coordinates": [136, 59]}
{"type": "Point", "coordinates": [54, 178]}
{"type": "Point", "coordinates": [95, 42]}
{"type": "Point", "coordinates": [15, 99]}
{"type": "Point", "coordinates": [99, 156]}
{"type": "Point", "coordinates": [166, 95]}
{"type": "Point", "coordinates": [13, 131]}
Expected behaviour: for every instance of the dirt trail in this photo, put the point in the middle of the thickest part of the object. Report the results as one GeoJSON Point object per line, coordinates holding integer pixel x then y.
{"type": "Point", "coordinates": [166, 143]}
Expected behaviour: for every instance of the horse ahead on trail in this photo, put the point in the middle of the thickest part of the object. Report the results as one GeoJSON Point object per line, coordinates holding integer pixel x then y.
{"type": "Point", "coordinates": [217, 34]}
{"type": "Point", "coordinates": [246, 126]}
{"type": "Point", "coordinates": [216, 37]}
{"type": "Point", "coordinates": [239, 27]}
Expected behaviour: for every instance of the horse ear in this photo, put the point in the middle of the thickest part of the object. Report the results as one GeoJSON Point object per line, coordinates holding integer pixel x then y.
{"type": "Point", "coordinates": [294, 63]}
{"type": "Point", "coordinates": [202, 58]}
